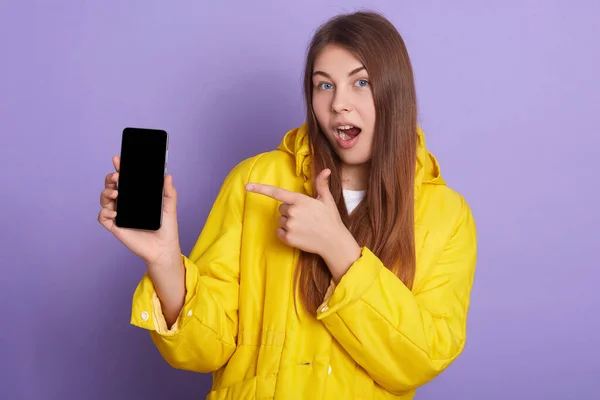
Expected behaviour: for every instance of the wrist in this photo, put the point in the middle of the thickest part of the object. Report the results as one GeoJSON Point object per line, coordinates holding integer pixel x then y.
{"type": "Point", "coordinates": [340, 256]}
{"type": "Point", "coordinates": [168, 278]}
{"type": "Point", "coordinates": [165, 261]}
{"type": "Point", "coordinates": [165, 269]}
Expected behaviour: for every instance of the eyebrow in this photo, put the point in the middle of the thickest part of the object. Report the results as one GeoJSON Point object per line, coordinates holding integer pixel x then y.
{"type": "Point", "coordinates": [326, 75]}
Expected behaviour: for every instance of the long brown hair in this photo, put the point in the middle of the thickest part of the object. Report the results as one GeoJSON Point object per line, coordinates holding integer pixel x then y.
{"type": "Point", "coordinates": [384, 221]}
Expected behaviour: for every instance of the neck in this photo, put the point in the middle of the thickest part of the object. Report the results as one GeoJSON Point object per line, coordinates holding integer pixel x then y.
{"type": "Point", "coordinates": [355, 177]}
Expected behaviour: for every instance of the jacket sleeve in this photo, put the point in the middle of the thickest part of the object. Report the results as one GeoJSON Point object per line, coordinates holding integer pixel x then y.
{"type": "Point", "coordinates": [404, 339]}
{"type": "Point", "coordinates": [203, 337]}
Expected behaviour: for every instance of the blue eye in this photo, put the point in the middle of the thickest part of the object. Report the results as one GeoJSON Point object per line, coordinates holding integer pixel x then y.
{"type": "Point", "coordinates": [362, 82]}
{"type": "Point", "coordinates": [325, 86]}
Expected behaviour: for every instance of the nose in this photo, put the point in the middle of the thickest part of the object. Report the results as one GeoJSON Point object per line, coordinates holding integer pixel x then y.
{"type": "Point", "coordinates": [341, 102]}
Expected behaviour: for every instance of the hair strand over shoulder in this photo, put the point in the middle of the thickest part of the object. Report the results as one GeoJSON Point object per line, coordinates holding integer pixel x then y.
{"type": "Point", "coordinates": [384, 221]}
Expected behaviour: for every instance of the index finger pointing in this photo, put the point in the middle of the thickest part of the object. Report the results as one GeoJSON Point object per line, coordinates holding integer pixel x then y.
{"type": "Point", "coordinates": [273, 192]}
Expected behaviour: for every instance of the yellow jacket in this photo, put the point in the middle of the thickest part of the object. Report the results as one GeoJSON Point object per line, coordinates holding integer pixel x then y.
{"type": "Point", "coordinates": [373, 337]}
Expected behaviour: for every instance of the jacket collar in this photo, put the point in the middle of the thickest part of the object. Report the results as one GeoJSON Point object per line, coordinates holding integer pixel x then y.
{"type": "Point", "coordinates": [296, 143]}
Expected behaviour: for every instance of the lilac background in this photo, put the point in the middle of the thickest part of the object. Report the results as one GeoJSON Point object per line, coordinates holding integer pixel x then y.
{"type": "Point", "coordinates": [509, 100]}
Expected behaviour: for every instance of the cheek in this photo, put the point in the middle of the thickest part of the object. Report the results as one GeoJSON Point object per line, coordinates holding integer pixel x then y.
{"type": "Point", "coordinates": [321, 109]}
{"type": "Point", "coordinates": [320, 105]}
{"type": "Point", "coordinates": [367, 110]}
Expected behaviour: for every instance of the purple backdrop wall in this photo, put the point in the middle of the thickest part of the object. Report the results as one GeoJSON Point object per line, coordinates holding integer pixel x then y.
{"type": "Point", "coordinates": [509, 100]}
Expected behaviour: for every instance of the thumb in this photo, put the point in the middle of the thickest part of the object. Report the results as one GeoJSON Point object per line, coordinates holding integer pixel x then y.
{"type": "Point", "coordinates": [322, 185]}
{"type": "Point", "coordinates": [170, 200]}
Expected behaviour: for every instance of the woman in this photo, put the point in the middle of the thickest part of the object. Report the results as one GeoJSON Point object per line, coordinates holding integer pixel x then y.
{"type": "Point", "coordinates": [338, 266]}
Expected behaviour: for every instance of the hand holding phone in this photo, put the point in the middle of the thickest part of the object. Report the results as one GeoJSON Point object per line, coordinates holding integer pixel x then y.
{"type": "Point", "coordinates": [139, 201]}
{"type": "Point", "coordinates": [141, 178]}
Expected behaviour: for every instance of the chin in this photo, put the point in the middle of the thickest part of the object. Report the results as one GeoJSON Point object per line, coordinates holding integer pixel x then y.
{"type": "Point", "coordinates": [354, 159]}
{"type": "Point", "coordinates": [355, 156]}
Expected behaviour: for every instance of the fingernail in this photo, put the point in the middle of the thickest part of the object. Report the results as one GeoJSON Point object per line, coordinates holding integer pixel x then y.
{"type": "Point", "coordinates": [249, 186]}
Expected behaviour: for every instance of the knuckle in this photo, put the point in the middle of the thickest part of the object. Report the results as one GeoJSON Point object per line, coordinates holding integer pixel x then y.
{"type": "Point", "coordinates": [289, 224]}
{"type": "Point", "coordinates": [292, 211]}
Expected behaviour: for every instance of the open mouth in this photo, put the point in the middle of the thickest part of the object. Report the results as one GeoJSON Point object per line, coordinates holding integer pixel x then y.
{"type": "Point", "coordinates": [347, 136]}
{"type": "Point", "coordinates": [347, 132]}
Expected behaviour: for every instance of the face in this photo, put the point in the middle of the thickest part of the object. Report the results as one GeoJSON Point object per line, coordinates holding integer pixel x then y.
{"type": "Point", "coordinates": [343, 104]}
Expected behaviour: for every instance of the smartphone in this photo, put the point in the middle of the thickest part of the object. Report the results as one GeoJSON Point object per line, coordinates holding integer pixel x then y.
{"type": "Point", "coordinates": [144, 154]}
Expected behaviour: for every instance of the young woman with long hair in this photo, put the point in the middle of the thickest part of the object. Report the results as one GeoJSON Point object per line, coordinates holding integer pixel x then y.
{"type": "Point", "coordinates": [337, 266]}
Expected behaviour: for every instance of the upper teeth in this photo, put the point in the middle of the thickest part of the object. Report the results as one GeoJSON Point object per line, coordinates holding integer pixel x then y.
{"type": "Point", "coordinates": [345, 127]}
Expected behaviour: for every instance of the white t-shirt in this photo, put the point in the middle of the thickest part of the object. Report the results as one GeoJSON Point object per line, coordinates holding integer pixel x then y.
{"type": "Point", "coordinates": [353, 198]}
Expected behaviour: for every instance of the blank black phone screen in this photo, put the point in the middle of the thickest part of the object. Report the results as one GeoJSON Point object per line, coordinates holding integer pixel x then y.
{"type": "Point", "coordinates": [141, 178]}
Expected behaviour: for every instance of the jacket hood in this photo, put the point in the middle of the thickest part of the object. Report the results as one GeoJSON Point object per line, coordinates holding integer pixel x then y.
{"type": "Point", "coordinates": [295, 142]}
